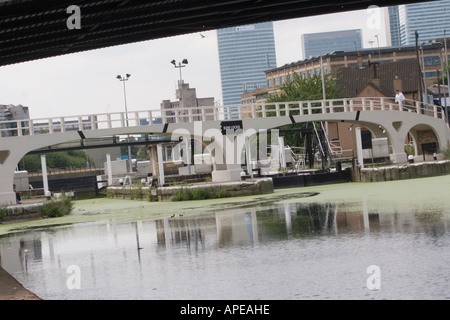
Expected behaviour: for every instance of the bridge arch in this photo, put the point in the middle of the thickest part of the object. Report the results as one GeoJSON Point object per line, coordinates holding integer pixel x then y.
{"type": "Point", "coordinates": [424, 134]}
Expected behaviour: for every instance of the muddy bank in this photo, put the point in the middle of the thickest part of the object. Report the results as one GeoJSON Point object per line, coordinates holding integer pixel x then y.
{"type": "Point", "coordinates": [11, 289]}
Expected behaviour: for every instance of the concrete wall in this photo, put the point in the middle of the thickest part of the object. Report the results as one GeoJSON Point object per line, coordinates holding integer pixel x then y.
{"type": "Point", "coordinates": [21, 180]}
{"type": "Point", "coordinates": [409, 171]}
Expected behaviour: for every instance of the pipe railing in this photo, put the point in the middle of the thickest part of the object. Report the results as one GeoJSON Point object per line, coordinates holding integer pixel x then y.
{"type": "Point", "coordinates": [210, 113]}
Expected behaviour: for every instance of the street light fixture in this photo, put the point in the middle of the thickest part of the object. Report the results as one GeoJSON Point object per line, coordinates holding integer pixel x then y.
{"type": "Point", "coordinates": [180, 65]}
{"type": "Point", "coordinates": [123, 79]}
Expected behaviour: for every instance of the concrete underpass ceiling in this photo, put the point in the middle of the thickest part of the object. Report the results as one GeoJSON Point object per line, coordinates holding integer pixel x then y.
{"type": "Point", "coordinates": [33, 29]}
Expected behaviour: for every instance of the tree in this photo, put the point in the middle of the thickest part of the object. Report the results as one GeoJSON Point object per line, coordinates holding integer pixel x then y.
{"type": "Point", "coordinates": [439, 79]}
{"type": "Point", "coordinates": [63, 159]}
{"type": "Point", "coordinates": [299, 89]}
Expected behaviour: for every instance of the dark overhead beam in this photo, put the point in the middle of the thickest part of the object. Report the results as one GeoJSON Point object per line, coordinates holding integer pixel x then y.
{"type": "Point", "coordinates": [33, 29]}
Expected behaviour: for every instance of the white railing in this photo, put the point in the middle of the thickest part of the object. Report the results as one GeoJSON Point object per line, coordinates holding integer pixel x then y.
{"type": "Point", "coordinates": [209, 113]}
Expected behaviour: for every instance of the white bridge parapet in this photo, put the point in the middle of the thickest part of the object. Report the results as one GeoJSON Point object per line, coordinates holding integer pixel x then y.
{"type": "Point", "coordinates": [210, 113]}
{"type": "Point", "coordinates": [19, 137]}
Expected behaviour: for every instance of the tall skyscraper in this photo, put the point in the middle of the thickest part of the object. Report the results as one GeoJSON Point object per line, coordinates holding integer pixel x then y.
{"type": "Point", "coordinates": [429, 19]}
{"type": "Point", "coordinates": [318, 44]}
{"type": "Point", "coordinates": [394, 26]}
{"type": "Point", "coordinates": [245, 52]}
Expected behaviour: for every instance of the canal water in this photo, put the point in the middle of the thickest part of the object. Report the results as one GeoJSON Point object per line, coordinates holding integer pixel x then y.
{"type": "Point", "coordinates": [310, 243]}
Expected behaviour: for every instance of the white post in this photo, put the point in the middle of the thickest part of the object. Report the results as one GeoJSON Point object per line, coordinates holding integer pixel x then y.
{"type": "Point", "coordinates": [359, 147]}
{"type": "Point", "coordinates": [44, 174]}
{"type": "Point", "coordinates": [324, 95]}
{"type": "Point", "coordinates": [188, 154]}
{"type": "Point", "coordinates": [282, 152]}
{"type": "Point", "coordinates": [160, 165]}
{"type": "Point", "coordinates": [249, 157]}
{"type": "Point", "coordinates": [109, 169]}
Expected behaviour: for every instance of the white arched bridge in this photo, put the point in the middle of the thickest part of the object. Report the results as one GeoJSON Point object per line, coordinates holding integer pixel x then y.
{"type": "Point", "coordinates": [207, 123]}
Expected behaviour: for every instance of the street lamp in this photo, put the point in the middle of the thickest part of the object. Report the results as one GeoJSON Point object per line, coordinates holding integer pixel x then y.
{"type": "Point", "coordinates": [378, 42]}
{"type": "Point", "coordinates": [371, 42]}
{"type": "Point", "coordinates": [123, 79]}
{"type": "Point", "coordinates": [180, 65]}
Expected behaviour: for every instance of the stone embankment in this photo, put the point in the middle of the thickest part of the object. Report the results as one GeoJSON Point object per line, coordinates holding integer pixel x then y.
{"type": "Point", "coordinates": [228, 189]}
{"type": "Point", "coordinates": [407, 171]}
{"type": "Point", "coordinates": [24, 211]}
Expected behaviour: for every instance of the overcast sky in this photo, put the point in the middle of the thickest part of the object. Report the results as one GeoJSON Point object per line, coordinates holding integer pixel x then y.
{"type": "Point", "coordinates": [85, 83]}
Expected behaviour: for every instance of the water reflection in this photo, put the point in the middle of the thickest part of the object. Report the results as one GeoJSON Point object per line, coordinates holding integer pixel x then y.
{"type": "Point", "coordinates": [150, 259]}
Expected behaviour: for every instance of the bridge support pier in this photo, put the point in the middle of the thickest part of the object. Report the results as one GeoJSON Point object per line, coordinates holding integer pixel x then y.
{"type": "Point", "coordinates": [226, 155]}
{"type": "Point", "coordinates": [7, 198]}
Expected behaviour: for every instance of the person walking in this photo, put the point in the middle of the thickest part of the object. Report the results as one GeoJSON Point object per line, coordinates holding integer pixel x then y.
{"type": "Point", "coordinates": [399, 98]}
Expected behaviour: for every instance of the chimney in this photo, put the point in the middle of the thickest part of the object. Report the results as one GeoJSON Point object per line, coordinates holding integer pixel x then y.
{"type": "Point", "coordinates": [360, 59]}
{"type": "Point", "coordinates": [398, 84]}
{"type": "Point", "coordinates": [375, 79]}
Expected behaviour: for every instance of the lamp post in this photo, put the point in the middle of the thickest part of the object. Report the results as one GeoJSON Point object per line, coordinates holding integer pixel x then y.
{"type": "Point", "coordinates": [123, 79]}
{"type": "Point", "coordinates": [180, 65]}
{"type": "Point", "coordinates": [378, 43]}
{"type": "Point", "coordinates": [371, 42]}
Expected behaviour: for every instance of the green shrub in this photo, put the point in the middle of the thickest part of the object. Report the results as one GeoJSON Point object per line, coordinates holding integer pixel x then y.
{"type": "Point", "coordinates": [446, 154]}
{"type": "Point", "coordinates": [2, 214]}
{"type": "Point", "coordinates": [184, 194]}
{"type": "Point", "coordinates": [58, 208]}
{"type": "Point", "coordinates": [200, 194]}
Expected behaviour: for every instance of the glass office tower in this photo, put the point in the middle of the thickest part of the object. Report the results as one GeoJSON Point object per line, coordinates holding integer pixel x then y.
{"type": "Point", "coordinates": [245, 52]}
{"type": "Point", "coordinates": [429, 19]}
{"type": "Point", "coordinates": [318, 44]}
{"type": "Point", "coordinates": [394, 26]}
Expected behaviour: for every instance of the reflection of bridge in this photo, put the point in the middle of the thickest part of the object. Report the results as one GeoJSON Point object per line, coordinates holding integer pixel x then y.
{"type": "Point", "coordinates": [205, 123]}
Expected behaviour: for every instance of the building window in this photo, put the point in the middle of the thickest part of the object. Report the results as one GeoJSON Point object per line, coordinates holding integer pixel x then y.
{"type": "Point", "coordinates": [431, 74]}
{"type": "Point", "coordinates": [432, 61]}
{"type": "Point", "coordinates": [269, 83]}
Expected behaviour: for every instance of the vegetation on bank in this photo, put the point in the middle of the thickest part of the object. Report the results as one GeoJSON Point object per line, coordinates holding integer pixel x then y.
{"type": "Point", "coordinates": [446, 154]}
{"type": "Point", "coordinates": [58, 208]}
{"type": "Point", "coordinates": [2, 213]}
{"type": "Point", "coordinates": [186, 194]}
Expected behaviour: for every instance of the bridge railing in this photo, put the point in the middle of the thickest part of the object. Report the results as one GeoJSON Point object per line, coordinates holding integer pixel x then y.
{"type": "Point", "coordinates": [211, 113]}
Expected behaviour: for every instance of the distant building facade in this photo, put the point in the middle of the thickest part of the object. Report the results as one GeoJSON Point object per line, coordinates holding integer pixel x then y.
{"type": "Point", "coordinates": [332, 63]}
{"type": "Point", "coordinates": [394, 26]}
{"type": "Point", "coordinates": [318, 44]}
{"type": "Point", "coordinates": [429, 19]}
{"type": "Point", "coordinates": [188, 107]}
{"type": "Point", "coordinates": [12, 113]}
{"type": "Point", "coordinates": [245, 52]}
